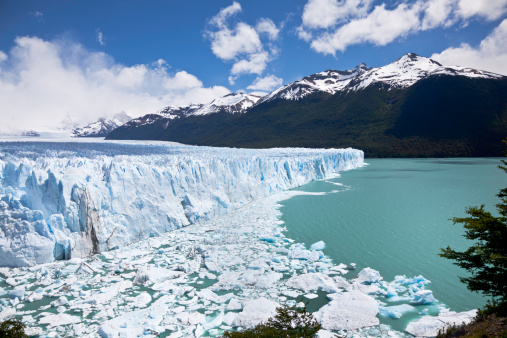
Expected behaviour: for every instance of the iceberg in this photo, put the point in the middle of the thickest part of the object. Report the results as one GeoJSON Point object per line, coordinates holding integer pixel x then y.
{"type": "Point", "coordinates": [429, 326]}
{"type": "Point", "coordinates": [60, 200]}
{"type": "Point", "coordinates": [349, 311]}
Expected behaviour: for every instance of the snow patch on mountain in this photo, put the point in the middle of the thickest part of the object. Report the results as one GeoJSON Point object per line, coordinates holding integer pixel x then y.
{"type": "Point", "coordinates": [231, 104]}
{"type": "Point", "coordinates": [402, 73]}
{"type": "Point", "coordinates": [102, 127]}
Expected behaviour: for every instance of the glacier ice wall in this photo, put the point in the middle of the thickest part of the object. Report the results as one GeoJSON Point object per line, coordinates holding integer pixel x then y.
{"type": "Point", "coordinates": [62, 199]}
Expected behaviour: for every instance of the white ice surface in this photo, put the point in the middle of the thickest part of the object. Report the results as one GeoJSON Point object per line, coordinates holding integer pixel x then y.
{"type": "Point", "coordinates": [429, 326]}
{"type": "Point", "coordinates": [71, 199]}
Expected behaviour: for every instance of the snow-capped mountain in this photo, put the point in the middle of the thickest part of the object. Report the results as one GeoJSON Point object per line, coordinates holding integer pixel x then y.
{"type": "Point", "coordinates": [153, 124]}
{"type": "Point", "coordinates": [102, 127]}
{"type": "Point", "coordinates": [235, 103]}
{"type": "Point", "coordinates": [413, 107]}
{"type": "Point", "coordinates": [402, 73]}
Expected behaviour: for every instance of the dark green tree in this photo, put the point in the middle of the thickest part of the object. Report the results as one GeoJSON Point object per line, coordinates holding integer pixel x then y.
{"type": "Point", "coordinates": [289, 322]}
{"type": "Point", "coordinates": [486, 259]}
{"type": "Point", "coordinates": [12, 328]}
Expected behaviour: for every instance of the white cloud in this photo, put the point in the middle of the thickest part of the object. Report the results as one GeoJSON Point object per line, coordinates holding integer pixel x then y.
{"type": "Point", "coordinates": [3, 56]}
{"type": "Point", "coordinates": [255, 64]}
{"type": "Point", "coordinates": [224, 14]}
{"type": "Point", "coordinates": [241, 44]}
{"type": "Point", "coordinates": [380, 27]}
{"type": "Point", "coordinates": [267, 83]}
{"type": "Point", "coordinates": [100, 38]}
{"type": "Point", "coordinates": [228, 44]}
{"type": "Point", "coordinates": [489, 9]}
{"type": "Point", "coordinates": [267, 26]}
{"type": "Point", "coordinates": [332, 25]}
{"type": "Point", "coordinates": [304, 34]}
{"type": "Point", "coordinates": [44, 81]}
{"type": "Point", "coordinates": [437, 13]}
{"type": "Point", "coordinates": [327, 13]}
{"type": "Point", "coordinates": [490, 55]}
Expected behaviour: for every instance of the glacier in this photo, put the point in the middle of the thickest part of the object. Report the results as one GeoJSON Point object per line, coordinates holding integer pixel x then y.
{"type": "Point", "coordinates": [61, 200]}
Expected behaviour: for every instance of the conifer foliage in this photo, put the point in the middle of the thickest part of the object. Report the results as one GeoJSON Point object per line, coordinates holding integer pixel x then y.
{"type": "Point", "coordinates": [289, 322]}
{"type": "Point", "coordinates": [486, 259]}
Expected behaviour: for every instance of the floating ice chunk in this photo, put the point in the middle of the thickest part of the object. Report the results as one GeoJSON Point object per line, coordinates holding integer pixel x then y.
{"type": "Point", "coordinates": [109, 292]}
{"type": "Point", "coordinates": [11, 281]}
{"type": "Point", "coordinates": [190, 318]}
{"type": "Point", "coordinates": [234, 304]}
{"type": "Point", "coordinates": [370, 289]}
{"type": "Point", "coordinates": [59, 319]}
{"type": "Point", "coordinates": [229, 318]}
{"type": "Point", "coordinates": [208, 294]}
{"type": "Point", "coordinates": [140, 300]}
{"type": "Point", "coordinates": [311, 295]}
{"type": "Point", "coordinates": [18, 293]}
{"type": "Point", "coordinates": [32, 331]}
{"type": "Point", "coordinates": [429, 326]}
{"type": "Point", "coordinates": [368, 275]}
{"type": "Point", "coordinates": [215, 322]}
{"type": "Point", "coordinates": [255, 312]}
{"type": "Point", "coordinates": [7, 313]}
{"type": "Point", "coordinates": [348, 311]}
{"type": "Point", "coordinates": [212, 266]}
{"type": "Point", "coordinates": [312, 282]}
{"type": "Point", "coordinates": [298, 251]}
{"type": "Point", "coordinates": [259, 264]}
{"type": "Point", "coordinates": [290, 293]}
{"type": "Point", "coordinates": [391, 292]}
{"type": "Point", "coordinates": [326, 334]}
{"type": "Point", "coordinates": [403, 280]}
{"type": "Point", "coordinates": [423, 297]}
{"type": "Point", "coordinates": [341, 268]}
{"type": "Point", "coordinates": [320, 245]}
{"type": "Point", "coordinates": [135, 323]}
{"type": "Point", "coordinates": [396, 311]}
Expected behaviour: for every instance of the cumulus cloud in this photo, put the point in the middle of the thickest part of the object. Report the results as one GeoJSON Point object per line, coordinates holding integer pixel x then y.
{"type": "Point", "coordinates": [266, 84]}
{"type": "Point", "coordinates": [268, 27]}
{"type": "Point", "coordinates": [331, 25]}
{"type": "Point", "coordinates": [3, 56]}
{"type": "Point", "coordinates": [490, 55]}
{"type": "Point", "coordinates": [42, 82]}
{"type": "Point", "coordinates": [241, 43]}
{"type": "Point", "coordinates": [326, 13]}
{"type": "Point", "coordinates": [380, 27]}
{"type": "Point", "coordinates": [488, 9]}
{"type": "Point", "coordinates": [228, 44]}
{"type": "Point", "coordinates": [255, 64]}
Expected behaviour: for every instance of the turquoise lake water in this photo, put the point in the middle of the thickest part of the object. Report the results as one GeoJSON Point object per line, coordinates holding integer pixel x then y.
{"type": "Point", "coordinates": [393, 216]}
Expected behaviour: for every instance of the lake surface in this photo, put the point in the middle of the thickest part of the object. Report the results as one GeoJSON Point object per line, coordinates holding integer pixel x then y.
{"type": "Point", "coordinates": [393, 215]}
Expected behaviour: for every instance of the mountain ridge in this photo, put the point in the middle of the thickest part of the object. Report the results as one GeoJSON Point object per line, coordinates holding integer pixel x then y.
{"type": "Point", "coordinates": [367, 108]}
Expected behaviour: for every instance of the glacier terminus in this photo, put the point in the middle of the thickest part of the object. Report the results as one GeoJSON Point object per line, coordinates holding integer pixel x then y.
{"type": "Point", "coordinates": [60, 200]}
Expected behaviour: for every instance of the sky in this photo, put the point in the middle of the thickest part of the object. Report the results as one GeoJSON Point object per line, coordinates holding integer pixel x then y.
{"type": "Point", "coordinates": [64, 60]}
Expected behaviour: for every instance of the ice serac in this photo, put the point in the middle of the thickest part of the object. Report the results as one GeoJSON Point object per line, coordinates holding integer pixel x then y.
{"type": "Point", "coordinates": [60, 200]}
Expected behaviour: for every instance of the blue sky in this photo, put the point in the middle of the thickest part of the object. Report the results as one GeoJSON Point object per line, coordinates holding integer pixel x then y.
{"type": "Point", "coordinates": [86, 59]}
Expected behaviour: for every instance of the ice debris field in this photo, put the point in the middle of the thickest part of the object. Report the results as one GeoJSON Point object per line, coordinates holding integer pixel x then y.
{"type": "Point", "coordinates": [86, 241]}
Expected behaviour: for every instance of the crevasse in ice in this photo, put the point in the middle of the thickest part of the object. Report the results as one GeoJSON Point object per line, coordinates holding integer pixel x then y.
{"type": "Point", "coordinates": [61, 199]}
